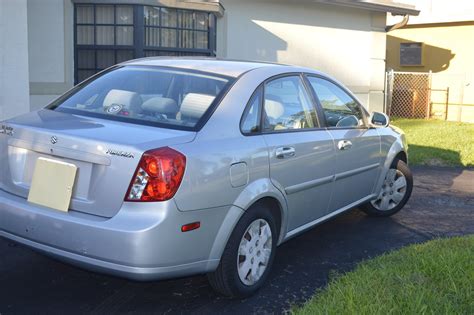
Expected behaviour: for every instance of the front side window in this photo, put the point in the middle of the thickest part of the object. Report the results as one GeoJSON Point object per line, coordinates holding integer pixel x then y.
{"type": "Point", "coordinates": [287, 105]}
{"type": "Point", "coordinates": [109, 34]}
{"type": "Point", "coordinates": [340, 109]}
{"type": "Point", "coordinates": [146, 95]}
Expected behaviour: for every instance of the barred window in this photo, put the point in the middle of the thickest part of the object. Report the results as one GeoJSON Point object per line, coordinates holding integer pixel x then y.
{"type": "Point", "coordinates": [108, 34]}
{"type": "Point", "coordinates": [176, 32]}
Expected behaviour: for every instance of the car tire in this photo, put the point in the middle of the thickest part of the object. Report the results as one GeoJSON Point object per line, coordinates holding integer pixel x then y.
{"type": "Point", "coordinates": [226, 279]}
{"type": "Point", "coordinates": [376, 207]}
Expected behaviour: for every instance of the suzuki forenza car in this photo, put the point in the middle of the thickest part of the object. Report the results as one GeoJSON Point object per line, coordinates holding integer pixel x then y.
{"type": "Point", "coordinates": [161, 168]}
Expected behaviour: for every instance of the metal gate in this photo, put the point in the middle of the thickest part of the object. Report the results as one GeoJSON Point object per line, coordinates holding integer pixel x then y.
{"type": "Point", "coordinates": [408, 94]}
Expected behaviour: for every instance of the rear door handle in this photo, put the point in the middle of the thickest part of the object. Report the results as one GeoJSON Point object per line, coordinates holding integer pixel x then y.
{"type": "Point", "coordinates": [284, 152]}
{"type": "Point", "coordinates": [344, 145]}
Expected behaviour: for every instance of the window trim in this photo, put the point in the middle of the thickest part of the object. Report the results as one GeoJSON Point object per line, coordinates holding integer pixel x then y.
{"type": "Point", "coordinates": [196, 128]}
{"type": "Point", "coordinates": [262, 87]}
{"type": "Point", "coordinates": [138, 47]}
{"type": "Point", "coordinates": [345, 90]}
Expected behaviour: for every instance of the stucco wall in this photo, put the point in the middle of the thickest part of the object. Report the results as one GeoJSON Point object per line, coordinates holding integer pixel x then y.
{"type": "Point", "coordinates": [50, 39]}
{"type": "Point", "coordinates": [346, 43]}
{"type": "Point", "coordinates": [14, 90]}
{"type": "Point", "coordinates": [448, 52]}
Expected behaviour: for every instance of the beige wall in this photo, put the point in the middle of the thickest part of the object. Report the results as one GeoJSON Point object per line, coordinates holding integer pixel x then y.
{"type": "Point", "coordinates": [448, 52]}
{"type": "Point", "coordinates": [346, 43]}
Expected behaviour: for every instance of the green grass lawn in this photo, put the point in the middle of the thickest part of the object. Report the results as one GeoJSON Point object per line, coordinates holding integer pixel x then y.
{"type": "Point", "coordinates": [436, 277]}
{"type": "Point", "coordinates": [437, 142]}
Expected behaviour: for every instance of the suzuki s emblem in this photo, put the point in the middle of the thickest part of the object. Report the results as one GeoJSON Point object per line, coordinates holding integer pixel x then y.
{"type": "Point", "coordinates": [6, 130]}
{"type": "Point", "coordinates": [54, 139]}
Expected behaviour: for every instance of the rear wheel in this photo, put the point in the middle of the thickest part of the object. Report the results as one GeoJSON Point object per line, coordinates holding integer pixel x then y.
{"type": "Point", "coordinates": [395, 192]}
{"type": "Point", "coordinates": [248, 257]}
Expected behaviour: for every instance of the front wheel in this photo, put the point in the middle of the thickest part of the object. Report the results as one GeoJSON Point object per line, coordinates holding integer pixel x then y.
{"type": "Point", "coordinates": [248, 256]}
{"type": "Point", "coordinates": [395, 192]}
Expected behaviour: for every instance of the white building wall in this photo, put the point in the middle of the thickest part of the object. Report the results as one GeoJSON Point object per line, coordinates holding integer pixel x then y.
{"type": "Point", "coordinates": [46, 40]}
{"type": "Point", "coordinates": [50, 39]}
{"type": "Point", "coordinates": [438, 11]}
{"type": "Point", "coordinates": [14, 89]}
{"type": "Point", "coordinates": [348, 44]}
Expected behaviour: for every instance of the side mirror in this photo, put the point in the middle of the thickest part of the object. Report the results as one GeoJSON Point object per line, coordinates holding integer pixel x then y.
{"type": "Point", "coordinates": [379, 119]}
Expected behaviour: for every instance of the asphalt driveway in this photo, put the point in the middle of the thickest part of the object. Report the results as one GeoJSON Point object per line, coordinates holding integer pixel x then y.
{"type": "Point", "coordinates": [442, 205]}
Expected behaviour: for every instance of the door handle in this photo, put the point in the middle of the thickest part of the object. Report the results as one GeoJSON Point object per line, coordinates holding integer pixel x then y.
{"type": "Point", "coordinates": [284, 152]}
{"type": "Point", "coordinates": [344, 145]}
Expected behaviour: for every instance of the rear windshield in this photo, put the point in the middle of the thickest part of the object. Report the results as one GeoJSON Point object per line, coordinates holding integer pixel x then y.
{"type": "Point", "coordinates": [147, 95]}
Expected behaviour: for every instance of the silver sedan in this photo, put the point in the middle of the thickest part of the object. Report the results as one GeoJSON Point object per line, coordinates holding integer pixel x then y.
{"type": "Point", "coordinates": [160, 168]}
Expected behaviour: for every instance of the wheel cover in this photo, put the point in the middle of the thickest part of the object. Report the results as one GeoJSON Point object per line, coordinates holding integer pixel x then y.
{"type": "Point", "coordinates": [254, 253]}
{"type": "Point", "coordinates": [393, 190]}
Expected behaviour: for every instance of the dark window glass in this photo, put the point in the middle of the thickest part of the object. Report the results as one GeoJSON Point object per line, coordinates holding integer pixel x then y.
{"type": "Point", "coordinates": [109, 34]}
{"type": "Point", "coordinates": [183, 30]}
{"type": "Point", "coordinates": [124, 15]}
{"type": "Point", "coordinates": [146, 94]}
{"type": "Point", "coordinates": [287, 105]}
{"type": "Point", "coordinates": [85, 35]}
{"type": "Point", "coordinates": [104, 14]}
{"type": "Point", "coordinates": [340, 109]}
{"type": "Point", "coordinates": [169, 17]}
{"type": "Point", "coordinates": [105, 58]}
{"type": "Point", "coordinates": [202, 21]}
{"type": "Point", "coordinates": [250, 120]}
{"type": "Point", "coordinates": [85, 14]}
{"type": "Point", "coordinates": [123, 55]}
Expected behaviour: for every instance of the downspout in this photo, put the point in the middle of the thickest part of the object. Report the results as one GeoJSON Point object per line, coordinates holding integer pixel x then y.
{"type": "Point", "coordinates": [400, 24]}
{"type": "Point", "coordinates": [389, 28]}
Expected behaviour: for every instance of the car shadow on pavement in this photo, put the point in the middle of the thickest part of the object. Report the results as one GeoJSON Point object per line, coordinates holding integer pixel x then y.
{"type": "Point", "coordinates": [432, 156]}
{"type": "Point", "coordinates": [441, 206]}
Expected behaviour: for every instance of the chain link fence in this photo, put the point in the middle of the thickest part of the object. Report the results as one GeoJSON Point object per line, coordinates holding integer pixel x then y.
{"type": "Point", "coordinates": [428, 95]}
{"type": "Point", "coordinates": [408, 94]}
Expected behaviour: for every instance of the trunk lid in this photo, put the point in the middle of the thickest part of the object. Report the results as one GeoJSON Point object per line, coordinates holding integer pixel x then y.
{"type": "Point", "coordinates": [105, 152]}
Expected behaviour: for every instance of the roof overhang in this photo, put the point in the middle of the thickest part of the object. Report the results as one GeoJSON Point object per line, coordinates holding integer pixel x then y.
{"type": "Point", "coordinates": [395, 8]}
{"type": "Point", "coordinates": [198, 5]}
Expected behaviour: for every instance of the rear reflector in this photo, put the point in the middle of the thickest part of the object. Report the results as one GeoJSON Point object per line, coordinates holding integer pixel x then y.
{"type": "Point", "coordinates": [190, 226]}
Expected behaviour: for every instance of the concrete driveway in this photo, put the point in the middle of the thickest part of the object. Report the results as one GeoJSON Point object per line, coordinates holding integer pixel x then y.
{"type": "Point", "coordinates": [442, 205]}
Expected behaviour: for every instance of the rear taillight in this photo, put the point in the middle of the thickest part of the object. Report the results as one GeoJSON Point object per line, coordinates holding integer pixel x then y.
{"type": "Point", "coordinates": [158, 176]}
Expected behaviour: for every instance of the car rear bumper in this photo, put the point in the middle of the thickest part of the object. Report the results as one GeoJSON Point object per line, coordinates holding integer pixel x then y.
{"type": "Point", "coordinates": [142, 242]}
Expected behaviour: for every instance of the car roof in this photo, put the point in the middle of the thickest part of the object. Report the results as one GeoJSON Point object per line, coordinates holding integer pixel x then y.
{"type": "Point", "coordinates": [230, 68]}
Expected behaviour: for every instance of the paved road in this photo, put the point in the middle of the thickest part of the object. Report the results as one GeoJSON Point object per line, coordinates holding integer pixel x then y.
{"type": "Point", "coordinates": [442, 205]}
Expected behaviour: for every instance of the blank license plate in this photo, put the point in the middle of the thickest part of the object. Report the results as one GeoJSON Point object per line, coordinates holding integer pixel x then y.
{"type": "Point", "coordinates": [52, 184]}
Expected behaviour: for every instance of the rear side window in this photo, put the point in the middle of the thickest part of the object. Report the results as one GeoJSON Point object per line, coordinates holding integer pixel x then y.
{"type": "Point", "coordinates": [340, 109]}
{"type": "Point", "coordinates": [250, 120]}
{"type": "Point", "coordinates": [287, 105]}
{"type": "Point", "coordinates": [147, 95]}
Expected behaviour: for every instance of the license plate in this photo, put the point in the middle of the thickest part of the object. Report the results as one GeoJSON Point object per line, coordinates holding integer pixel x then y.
{"type": "Point", "coordinates": [52, 184]}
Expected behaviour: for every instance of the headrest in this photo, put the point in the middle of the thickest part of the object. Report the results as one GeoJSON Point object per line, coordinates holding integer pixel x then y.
{"type": "Point", "coordinates": [194, 105]}
{"type": "Point", "coordinates": [160, 105]}
{"type": "Point", "coordinates": [273, 108]}
{"type": "Point", "coordinates": [121, 99]}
